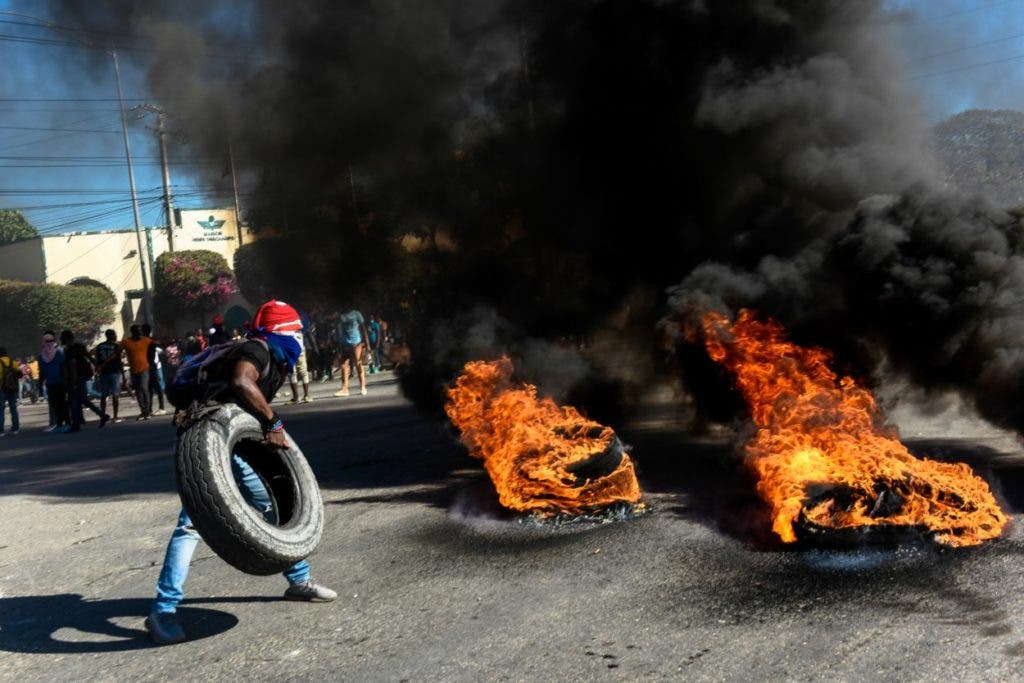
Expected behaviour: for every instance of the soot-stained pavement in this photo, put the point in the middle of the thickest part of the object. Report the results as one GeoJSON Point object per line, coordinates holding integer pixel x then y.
{"type": "Point", "coordinates": [436, 584]}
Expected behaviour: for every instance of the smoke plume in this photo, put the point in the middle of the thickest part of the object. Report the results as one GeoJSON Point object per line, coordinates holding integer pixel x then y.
{"type": "Point", "coordinates": [560, 165]}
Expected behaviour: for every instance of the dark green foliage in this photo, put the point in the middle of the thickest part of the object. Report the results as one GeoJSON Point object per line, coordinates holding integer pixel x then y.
{"type": "Point", "coordinates": [14, 226]}
{"type": "Point", "coordinates": [29, 308]}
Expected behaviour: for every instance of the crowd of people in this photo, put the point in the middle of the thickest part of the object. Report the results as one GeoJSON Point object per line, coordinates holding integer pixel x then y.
{"type": "Point", "coordinates": [280, 345]}
{"type": "Point", "coordinates": [71, 378]}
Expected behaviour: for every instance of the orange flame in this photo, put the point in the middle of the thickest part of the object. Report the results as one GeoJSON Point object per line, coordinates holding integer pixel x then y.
{"type": "Point", "coordinates": [817, 434]}
{"type": "Point", "coordinates": [530, 446]}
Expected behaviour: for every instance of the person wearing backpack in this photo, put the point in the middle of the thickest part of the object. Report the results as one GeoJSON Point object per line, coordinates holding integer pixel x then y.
{"type": "Point", "coordinates": [10, 382]}
{"type": "Point", "coordinates": [80, 370]}
{"type": "Point", "coordinates": [248, 373]}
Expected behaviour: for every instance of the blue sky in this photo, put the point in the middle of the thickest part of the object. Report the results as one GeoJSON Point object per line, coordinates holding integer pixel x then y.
{"type": "Point", "coordinates": [962, 54]}
{"type": "Point", "coordinates": [62, 153]}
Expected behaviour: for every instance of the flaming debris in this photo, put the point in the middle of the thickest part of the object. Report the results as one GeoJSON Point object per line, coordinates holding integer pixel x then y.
{"type": "Point", "coordinates": [542, 457]}
{"type": "Point", "coordinates": [821, 453]}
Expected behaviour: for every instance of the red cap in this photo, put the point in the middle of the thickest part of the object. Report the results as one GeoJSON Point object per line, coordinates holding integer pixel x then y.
{"type": "Point", "coordinates": [218, 319]}
{"type": "Point", "coordinates": [278, 317]}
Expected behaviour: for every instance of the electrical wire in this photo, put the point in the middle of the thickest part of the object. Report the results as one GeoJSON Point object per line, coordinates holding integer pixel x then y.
{"type": "Point", "coordinates": [60, 225]}
{"type": "Point", "coordinates": [71, 130]}
{"type": "Point", "coordinates": [967, 67]}
{"type": "Point", "coordinates": [965, 48]}
{"type": "Point", "coordinates": [972, 10]}
{"type": "Point", "coordinates": [51, 273]}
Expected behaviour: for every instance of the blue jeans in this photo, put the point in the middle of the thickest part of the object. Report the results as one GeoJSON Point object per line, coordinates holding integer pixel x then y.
{"type": "Point", "coordinates": [171, 584]}
{"type": "Point", "coordinates": [9, 400]}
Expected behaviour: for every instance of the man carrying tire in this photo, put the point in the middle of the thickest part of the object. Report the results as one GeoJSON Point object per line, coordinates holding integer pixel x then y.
{"type": "Point", "coordinates": [250, 376]}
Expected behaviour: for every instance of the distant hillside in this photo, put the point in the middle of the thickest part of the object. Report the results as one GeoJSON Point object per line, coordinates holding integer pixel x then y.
{"type": "Point", "coordinates": [983, 153]}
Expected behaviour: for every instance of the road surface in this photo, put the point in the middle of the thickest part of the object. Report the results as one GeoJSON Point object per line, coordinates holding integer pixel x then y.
{"type": "Point", "coordinates": [436, 584]}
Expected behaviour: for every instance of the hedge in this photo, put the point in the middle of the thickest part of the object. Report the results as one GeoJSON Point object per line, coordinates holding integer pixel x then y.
{"type": "Point", "coordinates": [27, 309]}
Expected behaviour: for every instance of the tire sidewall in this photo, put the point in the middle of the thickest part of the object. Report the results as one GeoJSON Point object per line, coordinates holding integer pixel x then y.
{"type": "Point", "coordinates": [231, 527]}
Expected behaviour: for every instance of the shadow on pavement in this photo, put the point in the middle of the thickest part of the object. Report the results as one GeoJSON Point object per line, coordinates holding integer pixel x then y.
{"type": "Point", "coordinates": [69, 624]}
{"type": "Point", "coordinates": [354, 447]}
{"type": "Point", "coordinates": [387, 453]}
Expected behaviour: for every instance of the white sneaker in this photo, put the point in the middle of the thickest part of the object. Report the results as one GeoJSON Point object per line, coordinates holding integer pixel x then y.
{"type": "Point", "coordinates": [161, 411]}
{"type": "Point", "coordinates": [362, 391]}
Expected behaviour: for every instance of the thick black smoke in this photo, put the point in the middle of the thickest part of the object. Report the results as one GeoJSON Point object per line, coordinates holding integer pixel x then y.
{"type": "Point", "coordinates": [563, 163]}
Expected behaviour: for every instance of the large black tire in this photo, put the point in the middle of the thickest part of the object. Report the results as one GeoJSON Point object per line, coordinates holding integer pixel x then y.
{"type": "Point", "coordinates": [235, 530]}
{"type": "Point", "coordinates": [599, 464]}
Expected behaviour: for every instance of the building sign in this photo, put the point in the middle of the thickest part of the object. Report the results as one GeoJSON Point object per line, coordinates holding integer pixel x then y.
{"type": "Point", "coordinates": [212, 230]}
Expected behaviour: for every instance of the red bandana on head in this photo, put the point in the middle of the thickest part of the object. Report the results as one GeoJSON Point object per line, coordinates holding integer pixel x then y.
{"type": "Point", "coordinates": [276, 317]}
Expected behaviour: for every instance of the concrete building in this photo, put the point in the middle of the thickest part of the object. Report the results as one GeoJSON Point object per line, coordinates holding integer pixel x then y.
{"type": "Point", "coordinates": [111, 258]}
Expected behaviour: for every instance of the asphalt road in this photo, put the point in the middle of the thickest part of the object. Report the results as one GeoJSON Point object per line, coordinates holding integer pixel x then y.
{"type": "Point", "coordinates": [436, 584]}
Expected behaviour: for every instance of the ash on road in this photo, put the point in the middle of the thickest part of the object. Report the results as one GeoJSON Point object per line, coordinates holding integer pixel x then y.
{"type": "Point", "coordinates": [435, 585]}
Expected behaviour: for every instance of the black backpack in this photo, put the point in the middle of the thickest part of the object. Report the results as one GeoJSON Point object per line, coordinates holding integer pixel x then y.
{"type": "Point", "coordinates": [9, 384]}
{"type": "Point", "coordinates": [192, 384]}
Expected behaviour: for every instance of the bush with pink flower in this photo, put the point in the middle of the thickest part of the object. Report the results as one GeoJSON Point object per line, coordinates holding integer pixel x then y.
{"type": "Point", "coordinates": [187, 283]}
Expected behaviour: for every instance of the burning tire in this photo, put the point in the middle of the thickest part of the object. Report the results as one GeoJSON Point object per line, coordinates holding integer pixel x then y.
{"type": "Point", "coordinates": [599, 464]}
{"type": "Point", "coordinates": [543, 458]}
{"type": "Point", "coordinates": [254, 541]}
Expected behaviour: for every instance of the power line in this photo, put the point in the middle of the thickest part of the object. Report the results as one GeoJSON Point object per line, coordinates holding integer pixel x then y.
{"type": "Point", "coordinates": [51, 273]}
{"type": "Point", "coordinates": [59, 224]}
{"type": "Point", "coordinates": [105, 164]}
{"type": "Point", "coordinates": [238, 57]}
{"type": "Point", "coordinates": [75, 99]}
{"type": "Point", "coordinates": [91, 191]}
{"type": "Point", "coordinates": [965, 48]}
{"type": "Point", "coordinates": [79, 121]}
{"type": "Point", "coordinates": [69, 130]}
{"type": "Point", "coordinates": [58, 110]}
{"type": "Point", "coordinates": [67, 205]}
{"type": "Point", "coordinates": [48, 213]}
{"type": "Point", "coordinates": [131, 274]}
{"type": "Point", "coordinates": [972, 10]}
{"type": "Point", "coordinates": [64, 28]}
{"type": "Point", "coordinates": [57, 42]}
{"type": "Point", "coordinates": [967, 67]}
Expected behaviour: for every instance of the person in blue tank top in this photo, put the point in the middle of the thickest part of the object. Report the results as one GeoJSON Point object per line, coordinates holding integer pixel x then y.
{"type": "Point", "coordinates": [351, 336]}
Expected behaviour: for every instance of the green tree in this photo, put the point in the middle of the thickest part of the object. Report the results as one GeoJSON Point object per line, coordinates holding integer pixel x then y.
{"type": "Point", "coordinates": [191, 282]}
{"type": "Point", "coordinates": [29, 308]}
{"type": "Point", "coordinates": [14, 226]}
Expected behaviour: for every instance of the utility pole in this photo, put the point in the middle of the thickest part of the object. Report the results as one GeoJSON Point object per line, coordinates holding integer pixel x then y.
{"type": "Point", "coordinates": [146, 298]}
{"type": "Point", "coordinates": [161, 133]}
{"type": "Point", "coordinates": [168, 207]}
{"type": "Point", "coordinates": [234, 187]}
{"type": "Point", "coordinates": [146, 302]}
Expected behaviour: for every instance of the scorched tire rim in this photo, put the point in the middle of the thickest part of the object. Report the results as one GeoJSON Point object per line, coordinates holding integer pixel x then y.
{"type": "Point", "coordinates": [235, 530]}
